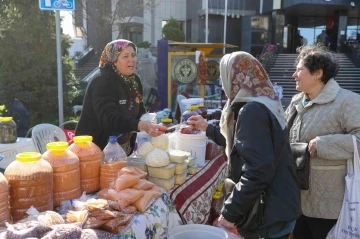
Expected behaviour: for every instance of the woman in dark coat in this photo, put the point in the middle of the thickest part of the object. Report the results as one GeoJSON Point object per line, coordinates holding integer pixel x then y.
{"type": "Point", "coordinates": [252, 127]}
{"type": "Point", "coordinates": [113, 101]}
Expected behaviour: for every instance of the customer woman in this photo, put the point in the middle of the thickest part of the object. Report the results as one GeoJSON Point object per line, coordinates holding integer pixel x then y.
{"type": "Point", "coordinates": [113, 101]}
{"type": "Point", "coordinates": [252, 128]}
{"type": "Point", "coordinates": [326, 117]}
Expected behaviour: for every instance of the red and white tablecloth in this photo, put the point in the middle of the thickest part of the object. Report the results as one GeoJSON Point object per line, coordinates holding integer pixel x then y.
{"type": "Point", "coordinates": [193, 198]}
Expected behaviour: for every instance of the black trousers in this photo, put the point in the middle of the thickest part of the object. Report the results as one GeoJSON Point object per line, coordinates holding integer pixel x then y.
{"type": "Point", "coordinates": [312, 228]}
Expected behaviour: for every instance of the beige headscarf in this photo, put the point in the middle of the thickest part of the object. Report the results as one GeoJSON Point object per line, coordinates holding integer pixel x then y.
{"type": "Point", "coordinates": [244, 79]}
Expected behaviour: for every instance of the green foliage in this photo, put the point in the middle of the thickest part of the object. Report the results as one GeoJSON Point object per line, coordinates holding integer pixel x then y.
{"type": "Point", "coordinates": [28, 66]}
{"type": "Point", "coordinates": [171, 31]}
{"type": "Point", "coordinates": [144, 44]}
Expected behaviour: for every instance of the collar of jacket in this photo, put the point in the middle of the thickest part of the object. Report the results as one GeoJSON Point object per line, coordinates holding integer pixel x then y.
{"type": "Point", "coordinates": [326, 95]}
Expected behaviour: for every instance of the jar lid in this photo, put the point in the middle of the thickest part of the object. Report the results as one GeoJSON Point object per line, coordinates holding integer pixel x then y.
{"type": "Point", "coordinates": [58, 146]}
{"type": "Point", "coordinates": [166, 120]}
{"type": "Point", "coordinates": [6, 119]}
{"type": "Point", "coordinates": [27, 157]}
{"type": "Point", "coordinates": [83, 139]}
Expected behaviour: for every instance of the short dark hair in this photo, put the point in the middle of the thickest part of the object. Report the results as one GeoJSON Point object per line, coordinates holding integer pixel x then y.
{"type": "Point", "coordinates": [316, 57]}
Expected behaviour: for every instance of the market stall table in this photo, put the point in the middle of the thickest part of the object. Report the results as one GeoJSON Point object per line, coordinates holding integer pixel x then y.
{"type": "Point", "coordinates": [193, 198]}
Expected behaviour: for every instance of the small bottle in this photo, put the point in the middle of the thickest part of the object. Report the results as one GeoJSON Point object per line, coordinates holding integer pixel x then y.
{"type": "Point", "coordinates": [8, 132]}
{"type": "Point", "coordinates": [114, 160]}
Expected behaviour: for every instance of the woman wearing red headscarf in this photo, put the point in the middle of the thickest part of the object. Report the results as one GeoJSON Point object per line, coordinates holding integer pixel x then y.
{"type": "Point", "coordinates": [113, 102]}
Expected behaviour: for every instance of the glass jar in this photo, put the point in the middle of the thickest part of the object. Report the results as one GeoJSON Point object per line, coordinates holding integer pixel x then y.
{"type": "Point", "coordinates": [90, 157]}
{"type": "Point", "coordinates": [30, 181]}
{"type": "Point", "coordinates": [8, 132]}
{"type": "Point", "coordinates": [190, 111]}
{"type": "Point", "coordinates": [166, 122]}
{"type": "Point", "coordinates": [4, 200]}
{"type": "Point", "coordinates": [66, 170]}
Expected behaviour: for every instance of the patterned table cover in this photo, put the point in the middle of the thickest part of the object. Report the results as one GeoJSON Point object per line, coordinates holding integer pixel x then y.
{"type": "Point", "coordinates": [155, 222]}
{"type": "Point", "coordinates": [193, 198]}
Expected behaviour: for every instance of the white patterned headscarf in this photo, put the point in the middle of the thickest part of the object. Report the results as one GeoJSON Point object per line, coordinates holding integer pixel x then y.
{"type": "Point", "coordinates": [244, 79]}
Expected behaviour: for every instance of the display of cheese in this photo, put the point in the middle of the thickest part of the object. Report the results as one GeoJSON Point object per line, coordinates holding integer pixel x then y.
{"type": "Point", "coordinates": [178, 156]}
{"type": "Point", "coordinates": [192, 169]}
{"type": "Point", "coordinates": [180, 179]}
{"type": "Point", "coordinates": [160, 142]}
{"type": "Point", "coordinates": [180, 168]}
{"type": "Point", "coordinates": [144, 149]}
{"type": "Point", "coordinates": [162, 172]}
{"type": "Point", "coordinates": [157, 158]}
{"type": "Point", "coordinates": [166, 184]}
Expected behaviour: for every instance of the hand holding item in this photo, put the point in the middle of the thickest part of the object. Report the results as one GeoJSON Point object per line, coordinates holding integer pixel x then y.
{"type": "Point", "coordinates": [197, 122]}
{"type": "Point", "coordinates": [152, 129]}
{"type": "Point", "coordinates": [225, 223]}
{"type": "Point", "coordinates": [313, 148]}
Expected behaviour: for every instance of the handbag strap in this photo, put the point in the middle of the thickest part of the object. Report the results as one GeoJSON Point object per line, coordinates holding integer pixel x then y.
{"type": "Point", "coordinates": [293, 113]}
{"type": "Point", "coordinates": [353, 165]}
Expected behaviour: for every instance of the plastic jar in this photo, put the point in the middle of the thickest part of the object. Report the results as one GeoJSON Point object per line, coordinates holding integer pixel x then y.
{"type": "Point", "coordinates": [188, 113]}
{"type": "Point", "coordinates": [66, 170]}
{"type": "Point", "coordinates": [8, 132]}
{"type": "Point", "coordinates": [30, 181]}
{"type": "Point", "coordinates": [166, 122]}
{"type": "Point", "coordinates": [4, 200]}
{"type": "Point", "coordinates": [90, 156]}
{"type": "Point", "coordinates": [114, 160]}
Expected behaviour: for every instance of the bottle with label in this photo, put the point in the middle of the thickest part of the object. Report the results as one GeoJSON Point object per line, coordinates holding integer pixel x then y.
{"type": "Point", "coordinates": [30, 180]}
{"type": "Point", "coordinates": [4, 200]}
{"type": "Point", "coordinates": [114, 160]}
{"type": "Point", "coordinates": [8, 131]}
{"type": "Point", "coordinates": [66, 169]}
{"type": "Point", "coordinates": [90, 157]}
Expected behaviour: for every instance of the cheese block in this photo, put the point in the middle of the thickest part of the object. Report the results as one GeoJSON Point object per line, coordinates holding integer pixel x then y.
{"type": "Point", "coordinates": [162, 172]}
{"type": "Point", "coordinates": [166, 184]}
{"type": "Point", "coordinates": [180, 168]}
{"type": "Point", "coordinates": [191, 160]}
{"type": "Point", "coordinates": [181, 178]}
{"type": "Point", "coordinates": [192, 169]}
{"type": "Point", "coordinates": [178, 156]}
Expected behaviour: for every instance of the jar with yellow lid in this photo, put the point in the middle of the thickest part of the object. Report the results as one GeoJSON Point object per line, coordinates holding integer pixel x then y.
{"type": "Point", "coordinates": [90, 157]}
{"type": "Point", "coordinates": [8, 130]}
{"type": "Point", "coordinates": [190, 111]}
{"type": "Point", "coordinates": [66, 170]}
{"type": "Point", "coordinates": [4, 200]}
{"type": "Point", "coordinates": [30, 180]}
{"type": "Point", "coordinates": [166, 122]}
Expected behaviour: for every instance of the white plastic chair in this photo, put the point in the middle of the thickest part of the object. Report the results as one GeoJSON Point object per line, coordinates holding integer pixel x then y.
{"type": "Point", "coordinates": [43, 134]}
{"type": "Point", "coordinates": [179, 98]}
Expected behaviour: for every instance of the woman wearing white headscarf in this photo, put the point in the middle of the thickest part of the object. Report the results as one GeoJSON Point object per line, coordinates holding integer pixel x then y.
{"type": "Point", "coordinates": [252, 127]}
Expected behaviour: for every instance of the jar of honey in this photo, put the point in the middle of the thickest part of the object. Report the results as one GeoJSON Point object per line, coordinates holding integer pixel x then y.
{"type": "Point", "coordinates": [4, 200]}
{"type": "Point", "coordinates": [8, 132]}
{"type": "Point", "coordinates": [90, 156]}
{"type": "Point", "coordinates": [30, 180]}
{"type": "Point", "coordinates": [66, 169]}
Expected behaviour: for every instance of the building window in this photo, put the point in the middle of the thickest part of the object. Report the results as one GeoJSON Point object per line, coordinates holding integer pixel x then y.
{"type": "Point", "coordinates": [135, 37]}
{"type": "Point", "coordinates": [260, 23]}
{"type": "Point", "coordinates": [353, 29]}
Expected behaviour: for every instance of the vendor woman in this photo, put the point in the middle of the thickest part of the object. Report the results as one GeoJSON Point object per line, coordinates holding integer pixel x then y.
{"type": "Point", "coordinates": [113, 102]}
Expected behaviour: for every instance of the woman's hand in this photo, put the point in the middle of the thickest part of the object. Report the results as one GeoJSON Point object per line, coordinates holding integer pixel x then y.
{"type": "Point", "coordinates": [197, 122]}
{"type": "Point", "coordinates": [223, 222]}
{"type": "Point", "coordinates": [152, 129]}
{"type": "Point", "coordinates": [313, 148]}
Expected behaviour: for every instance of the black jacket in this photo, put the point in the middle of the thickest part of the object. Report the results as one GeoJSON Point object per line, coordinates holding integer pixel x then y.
{"type": "Point", "coordinates": [258, 141]}
{"type": "Point", "coordinates": [106, 109]}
